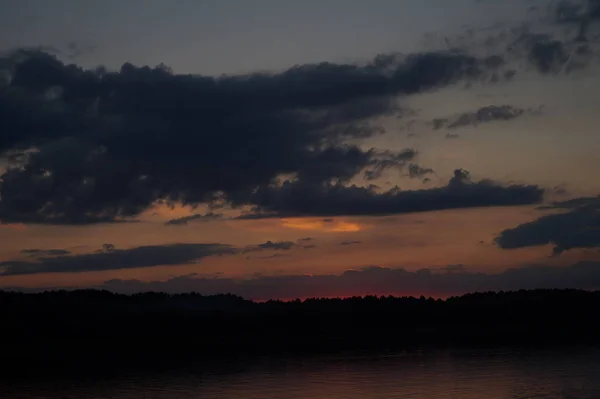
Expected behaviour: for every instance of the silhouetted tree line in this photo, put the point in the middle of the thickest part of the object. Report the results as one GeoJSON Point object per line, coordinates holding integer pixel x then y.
{"type": "Point", "coordinates": [100, 326]}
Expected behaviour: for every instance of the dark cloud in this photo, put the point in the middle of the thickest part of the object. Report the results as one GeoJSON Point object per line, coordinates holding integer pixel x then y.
{"type": "Point", "coordinates": [487, 114]}
{"type": "Point", "coordinates": [350, 242]}
{"type": "Point", "coordinates": [415, 171]}
{"type": "Point", "coordinates": [107, 248]}
{"type": "Point", "coordinates": [113, 259]}
{"type": "Point", "coordinates": [581, 14]}
{"type": "Point", "coordinates": [394, 160]}
{"type": "Point", "coordinates": [274, 256]}
{"type": "Point", "coordinates": [451, 136]}
{"type": "Point", "coordinates": [109, 144]}
{"type": "Point", "coordinates": [270, 245]}
{"type": "Point", "coordinates": [559, 38]}
{"type": "Point", "coordinates": [377, 280]}
{"type": "Point", "coordinates": [183, 221]}
{"type": "Point", "coordinates": [297, 198]}
{"type": "Point", "coordinates": [577, 228]}
{"type": "Point", "coordinates": [45, 252]}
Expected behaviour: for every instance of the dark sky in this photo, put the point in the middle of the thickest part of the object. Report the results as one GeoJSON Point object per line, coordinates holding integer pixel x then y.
{"type": "Point", "coordinates": [190, 144]}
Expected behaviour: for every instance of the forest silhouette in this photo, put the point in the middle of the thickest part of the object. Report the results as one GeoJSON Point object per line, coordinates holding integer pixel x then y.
{"type": "Point", "coordinates": [99, 328]}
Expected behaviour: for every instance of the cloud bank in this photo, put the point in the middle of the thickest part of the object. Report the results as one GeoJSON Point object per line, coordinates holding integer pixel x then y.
{"type": "Point", "coordinates": [376, 280]}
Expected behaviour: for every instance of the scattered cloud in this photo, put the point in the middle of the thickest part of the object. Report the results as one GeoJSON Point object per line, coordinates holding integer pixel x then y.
{"type": "Point", "coordinates": [487, 114]}
{"type": "Point", "coordinates": [415, 171]}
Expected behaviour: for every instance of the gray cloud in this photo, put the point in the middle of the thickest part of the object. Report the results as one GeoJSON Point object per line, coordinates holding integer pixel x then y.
{"type": "Point", "coordinates": [577, 228]}
{"type": "Point", "coordinates": [582, 14]}
{"type": "Point", "coordinates": [350, 242]}
{"type": "Point", "coordinates": [487, 114]}
{"type": "Point", "coordinates": [183, 221]}
{"type": "Point", "coordinates": [296, 198]}
{"type": "Point", "coordinates": [113, 259]}
{"type": "Point", "coordinates": [110, 144]}
{"type": "Point", "coordinates": [377, 280]}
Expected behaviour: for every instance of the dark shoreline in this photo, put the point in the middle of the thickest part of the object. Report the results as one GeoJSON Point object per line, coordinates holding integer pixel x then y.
{"type": "Point", "coordinates": [93, 331]}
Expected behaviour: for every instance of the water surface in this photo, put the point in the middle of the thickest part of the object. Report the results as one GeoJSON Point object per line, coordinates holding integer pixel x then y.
{"type": "Point", "coordinates": [480, 374]}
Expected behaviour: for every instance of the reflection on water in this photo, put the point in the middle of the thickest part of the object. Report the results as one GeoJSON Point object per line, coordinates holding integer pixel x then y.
{"type": "Point", "coordinates": [449, 374]}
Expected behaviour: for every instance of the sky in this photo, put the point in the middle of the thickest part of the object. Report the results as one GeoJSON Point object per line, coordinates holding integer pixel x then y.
{"type": "Point", "coordinates": [277, 149]}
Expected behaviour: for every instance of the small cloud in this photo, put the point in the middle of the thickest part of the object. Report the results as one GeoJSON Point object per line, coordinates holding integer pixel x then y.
{"type": "Point", "coordinates": [305, 239]}
{"type": "Point", "coordinates": [107, 248]}
{"type": "Point", "coordinates": [416, 171]}
{"type": "Point", "coordinates": [270, 245]}
{"type": "Point", "coordinates": [487, 114]}
{"type": "Point", "coordinates": [183, 221]}
{"type": "Point", "coordinates": [45, 252]}
{"type": "Point", "coordinates": [350, 242]}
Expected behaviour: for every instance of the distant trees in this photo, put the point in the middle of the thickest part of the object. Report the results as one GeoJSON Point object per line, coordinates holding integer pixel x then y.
{"type": "Point", "coordinates": [89, 324]}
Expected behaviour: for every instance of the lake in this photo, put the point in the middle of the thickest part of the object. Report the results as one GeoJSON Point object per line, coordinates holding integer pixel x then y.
{"type": "Point", "coordinates": [465, 374]}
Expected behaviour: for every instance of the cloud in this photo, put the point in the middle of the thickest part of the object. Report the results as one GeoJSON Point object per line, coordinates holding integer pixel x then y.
{"type": "Point", "coordinates": [579, 13]}
{"type": "Point", "coordinates": [350, 242]}
{"type": "Point", "coordinates": [560, 37]}
{"type": "Point", "coordinates": [577, 228]}
{"type": "Point", "coordinates": [485, 114]}
{"type": "Point", "coordinates": [376, 280]}
{"type": "Point", "coordinates": [45, 252]}
{"type": "Point", "coordinates": [183, 221]}
{"type": "Point", "coordinates": [108, 145]}
{"type": "Point", "coordinates": [110, 258]}
{"type": "Point", "coordinates": [270, 246]}
{"type": "Point", "coordinates": [415, 171]}
{"type": "Point", "coordinates": [296, 198]}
